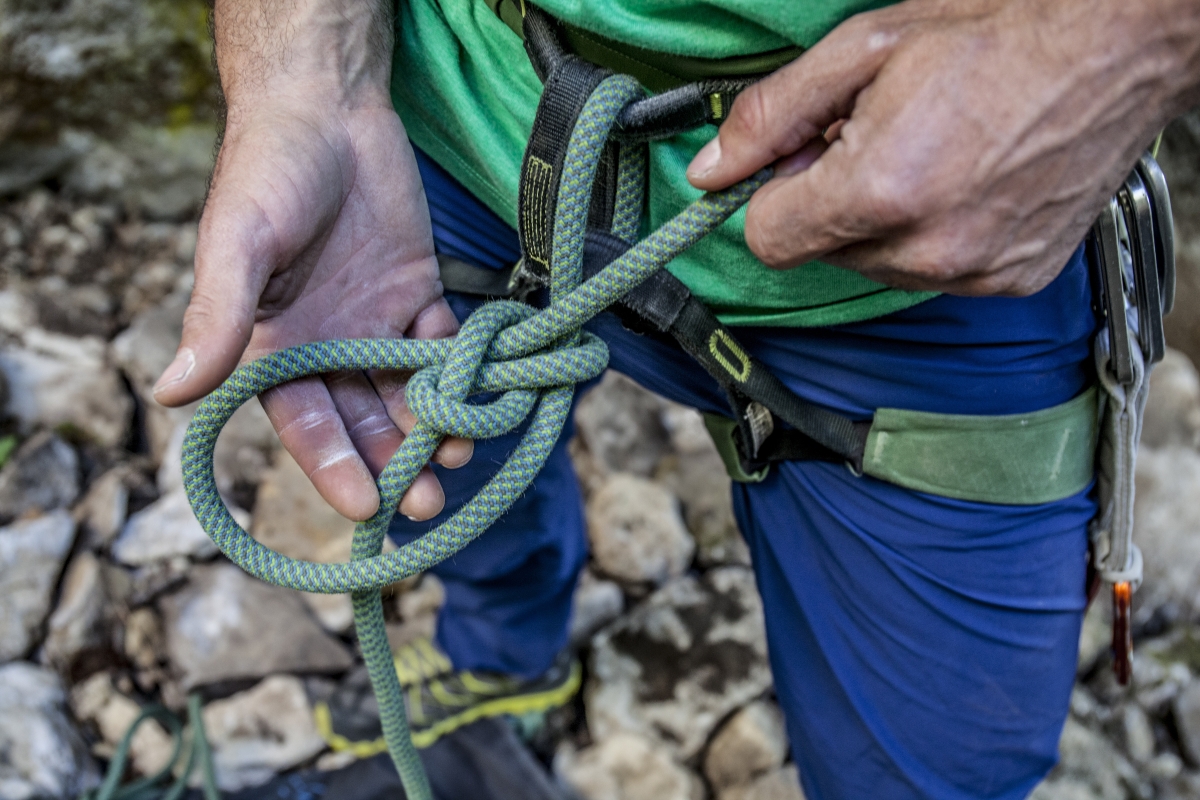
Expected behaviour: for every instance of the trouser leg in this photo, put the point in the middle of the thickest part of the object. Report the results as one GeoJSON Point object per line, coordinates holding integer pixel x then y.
{"type": "Point", "coordinates": [921, 647]}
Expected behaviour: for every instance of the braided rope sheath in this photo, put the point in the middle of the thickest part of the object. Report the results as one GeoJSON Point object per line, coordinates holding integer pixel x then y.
{"type": "Point", "coordinates": [532, 358]}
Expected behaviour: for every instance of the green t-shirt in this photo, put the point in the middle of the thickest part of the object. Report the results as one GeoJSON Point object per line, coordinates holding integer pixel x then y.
{"type": "Point", "coordinates": [467, 94]}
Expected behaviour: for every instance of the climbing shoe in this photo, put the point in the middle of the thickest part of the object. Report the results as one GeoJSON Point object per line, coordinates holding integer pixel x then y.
{"type": "Point", "coordinates": [439, 699]}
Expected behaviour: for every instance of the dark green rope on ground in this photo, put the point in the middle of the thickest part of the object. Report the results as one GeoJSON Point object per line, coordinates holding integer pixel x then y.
{"type": "Point", "coordinates": [533, 359]}
{"type": "Point", "coordinates": [152, 787]}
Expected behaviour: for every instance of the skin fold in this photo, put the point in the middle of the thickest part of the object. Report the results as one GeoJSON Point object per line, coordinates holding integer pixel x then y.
{"type": "Point", "coordinates": [955, 145]}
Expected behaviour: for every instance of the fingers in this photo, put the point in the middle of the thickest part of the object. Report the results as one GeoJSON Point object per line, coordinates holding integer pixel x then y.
{"type": "Point", "coordinates": [778, 115]}
{"type": "Point", "coordinates": [233, 257]}
{"type": "Point", "coordinates": [452, 453]}
{"type": "Point", "coordinates": [307, 421]}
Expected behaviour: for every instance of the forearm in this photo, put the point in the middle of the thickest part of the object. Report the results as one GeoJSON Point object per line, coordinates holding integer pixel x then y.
{"type": "Point", "coordinates": [333, 51]}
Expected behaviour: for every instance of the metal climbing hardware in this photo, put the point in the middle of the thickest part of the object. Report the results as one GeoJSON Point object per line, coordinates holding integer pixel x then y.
{"type": "Point", "coordinates": [1133, 250]}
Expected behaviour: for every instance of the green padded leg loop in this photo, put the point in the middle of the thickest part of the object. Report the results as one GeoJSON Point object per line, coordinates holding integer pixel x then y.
{"type": "Point", "coordinates": [1014, 459]}
{"type": "Point", "coordinates": [721, 429]}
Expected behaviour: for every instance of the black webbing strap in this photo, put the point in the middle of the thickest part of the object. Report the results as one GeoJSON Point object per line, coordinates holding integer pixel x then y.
{"type": "Point", "coordinates": [663, 303]}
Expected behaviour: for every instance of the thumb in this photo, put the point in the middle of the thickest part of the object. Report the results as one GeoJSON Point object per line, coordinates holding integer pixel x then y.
{"type": "Point", "coordinates": [234, 252]}
{"type": "Point", "coordinates": [781, 113]}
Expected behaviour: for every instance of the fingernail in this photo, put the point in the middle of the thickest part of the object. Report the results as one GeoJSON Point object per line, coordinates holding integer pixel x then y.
{"type": "Point", "coordinates": [180, 368]}
{"type": "Point", "coordinates": [706, 160]}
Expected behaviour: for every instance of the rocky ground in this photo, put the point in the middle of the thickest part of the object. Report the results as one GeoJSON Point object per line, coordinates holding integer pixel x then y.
{"type": "Point", "coordinates": [112, 598]}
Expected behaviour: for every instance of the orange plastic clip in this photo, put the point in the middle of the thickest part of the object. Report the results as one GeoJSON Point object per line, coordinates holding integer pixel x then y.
{"type": "Point", "coordinates": [1122, 641]}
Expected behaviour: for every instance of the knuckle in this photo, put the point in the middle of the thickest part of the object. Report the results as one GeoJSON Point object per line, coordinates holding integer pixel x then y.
{"type": "Point", "coordinates": [891, 200]}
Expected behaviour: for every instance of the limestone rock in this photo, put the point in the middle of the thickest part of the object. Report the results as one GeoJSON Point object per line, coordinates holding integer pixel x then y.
{"type": "Point", "coordinates": [1139, 735]}
{"type": "Point", "coordinates": [418, 608]}
{"type": "Point", "coordinates": [261, 731]}
{"type": "Point", "coordinates": [627, 767]}
{"type": "Point", "coordinates": [621, 425]}
{"type": "Point", "coordinates": [143, 640]}
{"type": "Point", "coordinates": [1095, 635]}
{"type": "Point", "coordinates": [680, 662]}
{"type": "Point", "coordinates": [1187, 719]}
{"type": "Point", "coordinates": [226, 626]}
{"type": "Point", "coordinates": [782, 783]}
{"type": "Point", "coordinates": [1173, 406]}
{"type": "Point", "coordinates": [166, 529]}
{"type": "Point", "coordinates": [695, 473]}
{"type": "Point", "coordinates": [103, 509]}
{"type": "Point", "coordinates": [31, 557]}
{"type": "Point", "coordinates": [43, 757]}
{"type": "Point", "coordinates": [143, 351]}
{"type": "Point", "coordinates": [751, 743]}
{"type": "Point", "coordinates": [636, 532]}
{"type": "Point", "coordinates": [43, 475]}
{"type": "Point", "coordinates": [79, 623]}
{"type": "Point", "coordinates": [1090, 768]}
{"type": "Point", "coordinates": [63, 380]}
{"type": "Point", "coordinates": [97, 701]}
{"type": "Point", "coordinates": [1166, 518]}
{"type": "Point", "coordinates": [596, 603]}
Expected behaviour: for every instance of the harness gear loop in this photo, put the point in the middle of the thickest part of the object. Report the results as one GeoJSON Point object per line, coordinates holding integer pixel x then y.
{"type": "Point", "coordinates": [533, 359]}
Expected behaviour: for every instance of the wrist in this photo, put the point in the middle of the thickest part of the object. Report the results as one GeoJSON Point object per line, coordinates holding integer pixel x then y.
{"type": "Point", "coordinates": [333, 54]}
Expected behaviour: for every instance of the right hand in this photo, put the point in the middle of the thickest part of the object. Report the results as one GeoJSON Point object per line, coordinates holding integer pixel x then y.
{"type": "Point", "coordinates": [316, 228]}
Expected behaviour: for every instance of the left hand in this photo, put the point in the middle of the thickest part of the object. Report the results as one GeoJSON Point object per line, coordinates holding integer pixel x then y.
{"type": "Point", "coordinates": [961, 146]}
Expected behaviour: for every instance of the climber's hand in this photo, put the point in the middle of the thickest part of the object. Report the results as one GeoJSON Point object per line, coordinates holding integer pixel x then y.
{"type": "Point", "coordinates": [316, 228]}
{"type": "Point", "coordinates": [956, 145]}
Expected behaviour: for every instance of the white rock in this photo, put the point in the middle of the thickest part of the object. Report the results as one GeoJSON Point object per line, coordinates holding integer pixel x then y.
{"type": "Point", "coordinates": [166, 529]}
{"type": "Point", "coordinates": [1139, 735]}
{"type": "Point", "coordinates": [79, 622]}
{"type": "Point", "coordinates": [1187, 719]}
{"type": "Point", "coordinates": [55, 380]}
{"type": "Point", "coordinates": [41, 754]}
{"type": "Point", "coordinates": [627, 767]}
{"type": "Point", "coordinates": [98, 702]}
{"type": "Point", "coordinates": [782, 783]}
{"type": "Point", "coordinates": [696, 474]}
{"type": "Point", "coordinates": [596, 603]}
{"type": "Point", "coordinates": [1166, 518]}
{"type": "Point", "coordinates": [43, 475]}
{"type": "Point", "coordinates": [1173, 406]}
{"type": "Point", "coordinates": [680, 662]}
{"type": "Point", "coordinates": [1090, 768]}
{"type": "Point", "coordinates": [621, 425]}
{"type": "Point", "coordinates": [1095, 636]}
{"type": "Point", "coordinates": [104, 508]}
{"type": "Point", "coordinates": [31, 557]}
{"type": "Point", "coordinates": [143, 351]}
{"type": "Point", "coordinates": [226, 625]}
{"type": "Point", "coordinates": [751, 743]}
{"type": "Point", "coordinates": [260, 732]}
{"type": "Point", "coordinates": [418, 607]}
{"type": "Point", "coordinates": [636, 532]}
{"type": "Point", "coordinates": [143, 640]}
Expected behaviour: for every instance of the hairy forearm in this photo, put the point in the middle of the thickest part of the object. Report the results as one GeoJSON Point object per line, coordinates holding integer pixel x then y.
{"type": "Point", "coordinates": [329, 51]}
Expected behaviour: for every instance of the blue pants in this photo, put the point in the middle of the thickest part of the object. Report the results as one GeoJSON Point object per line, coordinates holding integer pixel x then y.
{"type": "Point", "coordinates": [922, 647]}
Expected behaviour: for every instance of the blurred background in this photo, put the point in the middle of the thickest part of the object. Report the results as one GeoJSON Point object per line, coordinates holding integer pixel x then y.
{"type": "Point", "coordinates": [111, 597]}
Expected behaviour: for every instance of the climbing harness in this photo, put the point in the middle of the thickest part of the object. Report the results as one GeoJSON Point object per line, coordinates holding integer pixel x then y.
{"type": "Point", "coordinates": [1132, 246]}
{"type": "Point", "coordinates": [580, 211]}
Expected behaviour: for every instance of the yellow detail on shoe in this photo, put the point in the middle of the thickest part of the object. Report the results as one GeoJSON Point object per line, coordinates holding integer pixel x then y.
{"type": "Point", "coordinates": [448, 698]}
{"type": "Point", "coordinates": [516, 706]}
{"type": "Point", "coordinates": [477, 686]}
{"type": "Point", "coordinates": [340, 744]}
{"type": "Point", "coordinates": [420, 661]}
